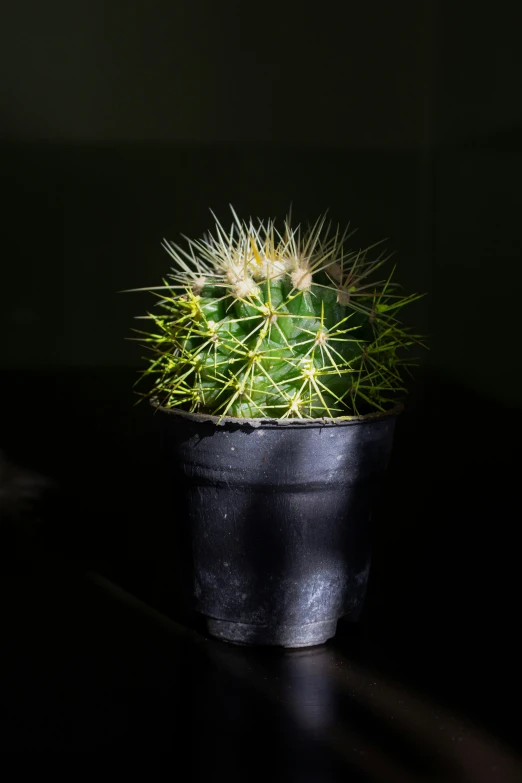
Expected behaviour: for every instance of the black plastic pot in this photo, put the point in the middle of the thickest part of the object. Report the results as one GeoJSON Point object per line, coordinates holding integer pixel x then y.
{"type": "Point", "coordinates": [276, 520]}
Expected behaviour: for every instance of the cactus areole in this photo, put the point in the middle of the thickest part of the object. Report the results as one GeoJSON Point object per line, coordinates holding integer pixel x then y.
{"type": "Point", "coordinates": [277, 359]}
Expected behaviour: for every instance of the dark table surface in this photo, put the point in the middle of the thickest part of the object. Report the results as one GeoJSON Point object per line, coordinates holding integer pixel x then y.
{"type": "Point", "coordinates": [89, 667]}
{"type": "Point", "coordinates": [98, 654]}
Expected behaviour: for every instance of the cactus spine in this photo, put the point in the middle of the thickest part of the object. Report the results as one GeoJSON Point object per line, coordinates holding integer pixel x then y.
{"type": "Point", "coordinates": [265, 323]}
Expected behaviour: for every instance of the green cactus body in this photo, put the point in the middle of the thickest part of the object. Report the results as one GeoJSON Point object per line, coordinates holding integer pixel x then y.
{"type": "Point", "coordinates": [261, 324]}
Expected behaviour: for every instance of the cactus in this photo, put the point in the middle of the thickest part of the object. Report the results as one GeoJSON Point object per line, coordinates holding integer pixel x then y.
{"type": "Point", "coordinates": [265, 323]}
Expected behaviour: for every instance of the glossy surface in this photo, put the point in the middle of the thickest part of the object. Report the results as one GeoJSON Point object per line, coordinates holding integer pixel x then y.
{"type": "Point", "coordinates": [426, 687]}
{"type": "Point", "coordinates": [87, 666]}
{"type": "Point", "coordinates": [277, 522]}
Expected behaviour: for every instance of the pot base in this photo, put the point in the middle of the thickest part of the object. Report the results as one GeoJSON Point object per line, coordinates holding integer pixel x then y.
{"type": "Point", "coordinates": [274, 636]}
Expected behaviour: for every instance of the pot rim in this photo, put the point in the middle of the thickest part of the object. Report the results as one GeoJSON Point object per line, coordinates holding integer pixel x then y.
{"type": "Point", "coordinates": [269, 423]}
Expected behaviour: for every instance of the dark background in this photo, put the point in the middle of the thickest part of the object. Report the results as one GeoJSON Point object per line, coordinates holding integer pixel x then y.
{"type": "Point", "coordinates": [122, 123]}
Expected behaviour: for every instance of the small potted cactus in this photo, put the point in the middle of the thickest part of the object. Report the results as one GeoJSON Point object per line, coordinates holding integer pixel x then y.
{"type": "Point", "coordinates": [277, 363]}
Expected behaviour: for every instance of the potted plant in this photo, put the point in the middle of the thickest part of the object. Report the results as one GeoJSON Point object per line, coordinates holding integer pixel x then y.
{"type": "Point", "coordinates": [277, 359]}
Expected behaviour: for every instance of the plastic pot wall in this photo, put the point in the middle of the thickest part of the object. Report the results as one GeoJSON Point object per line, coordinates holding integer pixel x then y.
{"type": "Point", "coordinates": [275, 521]}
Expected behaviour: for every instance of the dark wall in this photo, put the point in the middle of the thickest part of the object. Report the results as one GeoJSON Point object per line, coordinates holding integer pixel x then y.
{"type": "Point", "coordinates": [214, 73]}
{"type": "Point", "coordinates": [477, 199]}
{"type": "Point", "coordinates": [124, 122]}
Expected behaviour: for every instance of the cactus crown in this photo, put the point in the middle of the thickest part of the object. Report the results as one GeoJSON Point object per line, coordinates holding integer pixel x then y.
{"type": "Point", "coordinates": [262, 322]}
